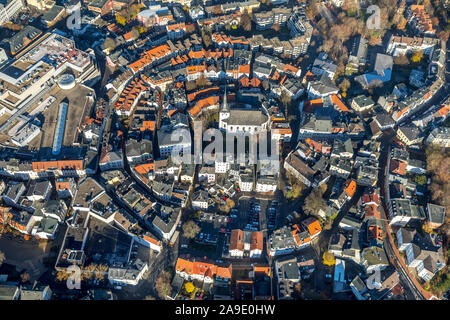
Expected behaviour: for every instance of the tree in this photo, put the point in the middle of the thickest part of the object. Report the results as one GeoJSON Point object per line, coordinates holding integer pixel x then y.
{"type": "Point", "coordinates": [296, 191]}
{"type": "Point", "coordinates": [230, 203]}
{"type": "Point", "coordinates": [2, 258]}
{"type": "Point", "coordinates": [110, 44]}
{"type": "Point", "coordinates": [328, 259]}
{"type": "Point", "coordinates": [401, 23]}
{"type": "Point", "coordinates": [438, 163]}
{"type": "Point", "coordinates": [190, 229]}
{"type": "Point", "coordinates": [162, 285]}
{"type": "Point", "coordinates": [444, 35]}
{"type": "Point", "coordinates": [297, 290]}
{"type": "Point", "coordinates": [417, 56]}
{"type": "Point", "coordinates": [314, 202]}
{"type": "Point", "coordinates": [246, 21]}
{"type": "Point", "coordinates": [25, 277]}
{"type": "Point", "coordinates": [285, 99]}
{"type": "Point", "coordinates": [135, 32]}
{"type": "Point", "coordinates": [420, 179]}
{"type": "Point", "coordinates": [62, 275]}
{"type": "Point", "coordinates": [217, 10]}
{"type": "Point", "coordinates": [276, 27]}
{"type": "Point", "coordinates": [206, 37]}
{"type": "Point", "coordinates": [189, 287]}
{"type": "Point", "coordinates": [12, 26]}
{"type": "Point", "coordinates": [121, 19]}
{"type": "Point", "coordinates": [344, 85]}
{"type": "Point", "coordinates": [375, 83]}
{"type": "Point", "coordinates": [401, 60]}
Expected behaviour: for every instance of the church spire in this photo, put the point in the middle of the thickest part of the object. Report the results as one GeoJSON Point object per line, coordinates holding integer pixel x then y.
{"type": "Point", "coordinates": [225, 107]}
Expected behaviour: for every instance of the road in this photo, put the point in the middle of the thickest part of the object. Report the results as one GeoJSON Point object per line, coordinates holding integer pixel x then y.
{"type": "Point", "coordinates": [412, 289]}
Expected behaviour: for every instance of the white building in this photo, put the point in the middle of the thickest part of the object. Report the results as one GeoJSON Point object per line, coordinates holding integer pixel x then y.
{"type": "Point", "coordinates": [242, 121]}
{"type": "Point", "coordinates": [9, 8]}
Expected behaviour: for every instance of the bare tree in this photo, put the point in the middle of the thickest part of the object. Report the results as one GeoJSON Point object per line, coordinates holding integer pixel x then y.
{"type": "Point", "coordinates": [2, 258]}
{"type": "Point", "coordinates": [162, 285]}
{"type": "Point", "coordinates": [246, 21]}
{"type": "Point", "coordinates": [314, 202]}
{"type": "Point", "coordinates": [190, 229]}
{"type": "Point", "coordinates": [110, 44]}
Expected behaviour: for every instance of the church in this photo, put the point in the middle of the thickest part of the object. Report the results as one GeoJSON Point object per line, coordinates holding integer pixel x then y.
{"type": "Point", "coordinates": [241, 121]}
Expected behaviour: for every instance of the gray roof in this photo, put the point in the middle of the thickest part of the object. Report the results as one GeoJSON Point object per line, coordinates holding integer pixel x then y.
{"type": "Point", "coordinates": [411, 132]}
{"type": "Point", "coordinates": [201, 196]}
{"type": "Point", "coordinates": [246, 117]}
{"type": "Point", "coordinates": [17, 41]}
{"type": "Point", "coordinates": [373, 256]}
{"type": "Point", "coordinates": [48, 225]}
{"type": "Point", "coordinates": [38, 188]}
{"type": "Point", "coordinates": [436, 214]}
{"type": "Point", "coordinates": [383, 62]}
{"type": "Point", "coordinates": [8, 292]}
{"type": "Point", "coordinates": [324, 85]}
{"type": "Point", "coordinates": [363, 101]}
{"type": "Point", "coordinates": [137, 148]}
{"type": "Point", "coordinates": [358, 284]}
{"type": "Point", "coordinates": [289, 270]}
{"type": "Point", "coordinates": [52, 13]}
{"type": "Point", "coordinates": [384, 119]}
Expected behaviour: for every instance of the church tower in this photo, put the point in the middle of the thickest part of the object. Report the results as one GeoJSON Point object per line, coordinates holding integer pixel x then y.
{"type": "Point", "coordinates": [224, 111]}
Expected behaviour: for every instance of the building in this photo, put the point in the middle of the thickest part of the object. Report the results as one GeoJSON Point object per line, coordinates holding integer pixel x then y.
{"type": "Point", "coordinates": [321, 88]}
{"type": "Point", "coordinates": [297, 167]}
{"type": "Point", "coordinates": [409, 135]}
{"type": "Point", "coordinates": [323, 66]}
{"type": "Point", "coordinates": [374, 258]}
{"type": "Point", "coordinates": [382, 71]}
{"type": "Point", "coordinates": [435, 215]}
{"type": "Point", "coordinates": [288, 274]}
{"type": "Point", "coordinates": [439, 136]}
{"type": "Point", "coordinates": [242, 121]}
{"type": "Point", "coordinates": [358, 54]}
{"type": "Point", "coordinates": [166, 222]}
{"type": "Point", "coordinates": [52, 16]}
{"type": "Point", "coordinates": [202, 270]}
{"type": "Point", "coordinates": [362, 103]}
{"type": "Point", "coordinates": [200, 200]}
{"type": "Point", "coordinates": [419, 21]}
{"type": "Point", "coordinates": [51, 57]}
{"type": "Point", "coordinates": [402, 45]}
{"type": "Point", "coordinates": [402, 212]}
{"type": "Point", "coordinates": [8, 9]}
{"type": "Point", "coordinates": [421, 253]}
{"type": "Point", "coordinates": [266, 19]}
{"type": "Point", "coordinates": [245, 244]}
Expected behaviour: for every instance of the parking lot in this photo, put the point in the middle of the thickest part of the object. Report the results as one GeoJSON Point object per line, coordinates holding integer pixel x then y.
{"type": "Point", "coordinates": [257, 215]}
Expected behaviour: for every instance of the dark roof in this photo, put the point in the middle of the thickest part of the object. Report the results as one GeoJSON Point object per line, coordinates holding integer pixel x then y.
{"type": "Point", "coordinates": [436, 214]}
{"type": "Point", "coordinates": [18, 41]}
